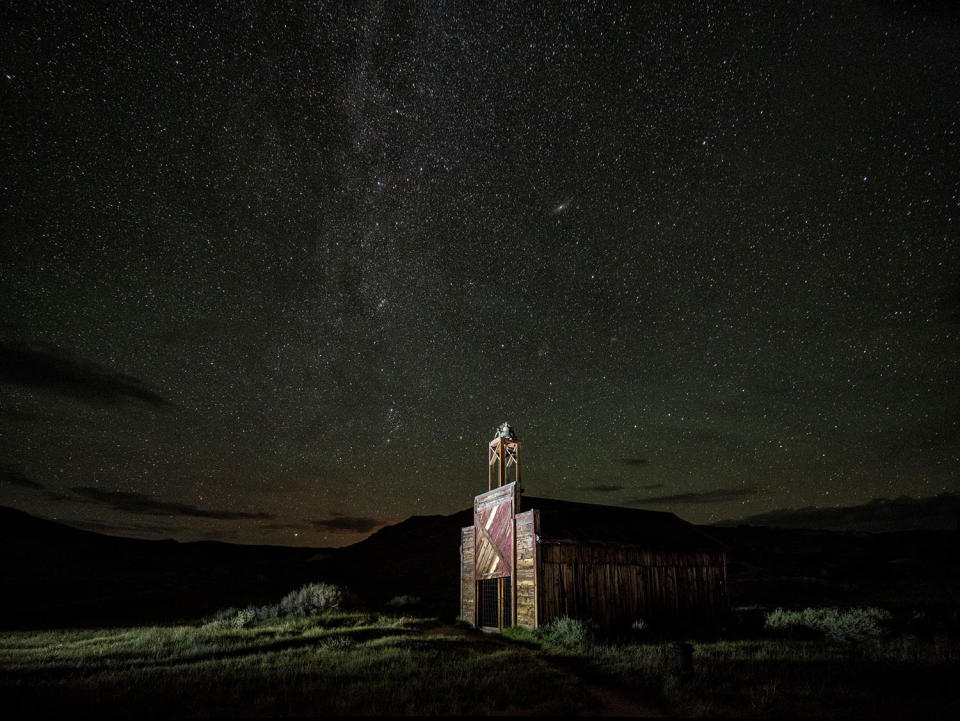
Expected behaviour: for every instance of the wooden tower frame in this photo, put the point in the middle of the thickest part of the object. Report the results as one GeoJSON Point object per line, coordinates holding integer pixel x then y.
{"type": "Point", "coordinates": [503, 454]}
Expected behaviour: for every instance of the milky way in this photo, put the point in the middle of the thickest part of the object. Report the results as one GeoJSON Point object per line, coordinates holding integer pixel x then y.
{"type": "Point", "coordinates": [278, 271]}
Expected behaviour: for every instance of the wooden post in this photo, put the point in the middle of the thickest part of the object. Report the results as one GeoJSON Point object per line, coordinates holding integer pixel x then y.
{"type": "Point", "coordinates": [512, 590]}
{"type": "Point", "coordinates": [536, 570]}
{"type": "Point", "coordinates": [500, 603]}
{"type": "Point", "coordinates": [489, 468]}
{"type": "Point", "coordinates": [517, 461]}
{"type": "Point", "coordinates": [501, 471]}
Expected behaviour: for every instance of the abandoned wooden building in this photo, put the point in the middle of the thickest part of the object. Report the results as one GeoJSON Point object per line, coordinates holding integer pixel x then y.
{"type": "Point", "coordinates": [525, 561]}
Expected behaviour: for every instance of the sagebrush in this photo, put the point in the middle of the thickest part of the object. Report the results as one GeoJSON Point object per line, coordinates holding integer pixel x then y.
{"type": "Point", "coordinates": [311, 599]}
{"type": "Point", "coordinates": [306, 601]}
{"type": "Point", "coordinates": [855, 624]}
{"type": "Point", "coordinates": [568, 634]}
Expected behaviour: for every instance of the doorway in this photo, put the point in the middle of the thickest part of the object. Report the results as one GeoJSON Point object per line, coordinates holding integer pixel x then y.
{"type": "Point", "coordinates": [494, 595]}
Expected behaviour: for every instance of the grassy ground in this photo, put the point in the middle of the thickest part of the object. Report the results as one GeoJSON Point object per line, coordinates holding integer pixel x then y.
{"type": "Point", "coordinates": [358, 663]}
{"type": "Point", "coordinates": [335, 663]}
{"type": "Point", "coordinates": [886, 679]}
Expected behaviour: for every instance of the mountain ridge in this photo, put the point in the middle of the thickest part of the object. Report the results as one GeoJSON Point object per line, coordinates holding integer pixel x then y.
{"type": "Point", "coordinates": [880, 515]}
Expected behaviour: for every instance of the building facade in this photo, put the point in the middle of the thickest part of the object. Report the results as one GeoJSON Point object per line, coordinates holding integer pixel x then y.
{"type": "Point", "coordinates": [526, 561]}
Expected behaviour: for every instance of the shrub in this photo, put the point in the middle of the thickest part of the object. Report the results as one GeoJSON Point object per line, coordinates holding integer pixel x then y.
{"type": "Point", "coordinates": [337, 643]}
{"type": "Point", "coordinates": [402, 601]}
{"type": "Point", "coordinates": [305, 601]}
{"type": "Point", "coordinates": [311, 599]}
{"type": "Point", "coordinates": [241, 617]}
{"type": "Point", "coordinates": [391, 621]}
{"type": "Point", "coordinates": [567, 633]}
{"type": "Point", "coordinates": [641, 630]}
{"type": "Point", "coordinates": [781, 621]}
{"type": "Point", "coordinates": [265, 613]}
{"type": "Point", "coordinates": [244, 617]}
{"type": "Point", "coordinates": [521, 634]}
{"type": "Point", "coordinates": [856, 624]}
{"type": "Point", "coordinates": [221, 619]}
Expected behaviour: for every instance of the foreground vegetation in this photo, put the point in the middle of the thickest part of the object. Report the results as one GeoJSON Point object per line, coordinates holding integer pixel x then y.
{"type": "Point", "coordinates": [335, 662]}
{"type": "Point", "coordinates": [311, 654]}
{"type": "Point", "coordinates": [814, 663]}
{"type": "Point", "coordinates": [893, 678]}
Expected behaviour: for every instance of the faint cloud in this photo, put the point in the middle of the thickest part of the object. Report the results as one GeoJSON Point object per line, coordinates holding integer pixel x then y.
{"type": "Point", "coordinates": [57, 370]}
{"type": "Point", "coordinates": [144, 505]}
{"type": "Point", "coordinates": [223, 535]}
{"type": "Point", "coordinates": [716, 496]}
{"type": "Point", "coordinates": [283, 526]}
{"type": "Point", "coordinates": [14, 475]}
{"type": "Point", "coordinates": [15, 416]}
{"type": "Point", "coordinates": [341, 523]}
{"type": "Point", "coordinates": [633, 461]}
{"type": "Point", "coordinates": [101, 527]}
{"type": "Point", "coordinates": [62, 498]}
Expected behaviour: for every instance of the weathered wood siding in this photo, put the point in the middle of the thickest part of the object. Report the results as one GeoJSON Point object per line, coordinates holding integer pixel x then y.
{"type": "Point", "coordinates": [616, 584]}
{"type": "Point", "coordinates": [526, 569]}
{"type": "Point", "coordinates": [468, 588]}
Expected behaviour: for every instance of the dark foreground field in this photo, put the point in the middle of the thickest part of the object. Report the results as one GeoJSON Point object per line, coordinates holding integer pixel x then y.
{"type": "Point", "coordinates": [351, 663]}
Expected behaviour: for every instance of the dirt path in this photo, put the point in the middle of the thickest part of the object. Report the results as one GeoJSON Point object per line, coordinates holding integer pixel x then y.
{"type": "Point", "coordinates": [611, 701]}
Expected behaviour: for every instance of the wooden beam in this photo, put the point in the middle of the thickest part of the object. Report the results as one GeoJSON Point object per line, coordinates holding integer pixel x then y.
{"type": "Point", "coordinates": [486, 536]}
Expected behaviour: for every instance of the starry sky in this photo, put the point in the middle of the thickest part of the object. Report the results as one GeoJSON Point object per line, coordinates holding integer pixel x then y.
{"type": "Point", "coordinates": [274, 273]}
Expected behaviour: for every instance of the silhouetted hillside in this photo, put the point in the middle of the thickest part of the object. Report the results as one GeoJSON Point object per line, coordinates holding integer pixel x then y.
{"type": "Point", "coordinates": [881, 515]}
{"type": "Point", "coordinates": [802, 567]}
{"type": "Point", "coordinates": [53, 574]}
{"type": "Point", "coordinates": [416, 557]}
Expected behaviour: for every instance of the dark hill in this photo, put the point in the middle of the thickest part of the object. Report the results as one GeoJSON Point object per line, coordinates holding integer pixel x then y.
{"type": "Point", "coordinates": [53, 575]}
{"type": "Point", "coordinates": [804, 567]}
{"type": "Point", "coordinates": [418, 557]}
{"type": "Point", "coordinates": [21, 530]}
{"type": "Point", "coordinates": [881, 515]}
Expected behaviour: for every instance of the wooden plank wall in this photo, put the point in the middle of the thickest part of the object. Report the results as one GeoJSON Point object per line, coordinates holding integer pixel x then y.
{"type": "Point", "coordinates": [468, 588]}
{"type": "Point", "coordinates": [615, 584]}
{"type": "Point", "coordinates": [526, 569]}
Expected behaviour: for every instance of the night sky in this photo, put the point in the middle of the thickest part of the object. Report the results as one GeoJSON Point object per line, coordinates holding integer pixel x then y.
{"type": "Point", "coordinates": [275, 276]}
